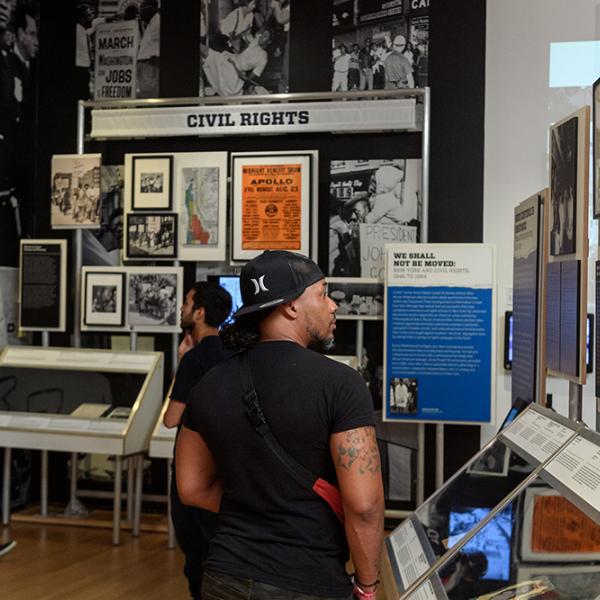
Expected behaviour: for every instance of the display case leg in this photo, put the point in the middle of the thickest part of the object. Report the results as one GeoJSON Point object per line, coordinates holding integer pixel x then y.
{"type": "Point", "coordinates": [116, 537]}
{"type": "Point", "coordinates": [439, 456]}
{"type": "Point", "coordinates": [6, 486]}
{"type": "Point", "coordinates": [130, 494]}
{"type": "Point", "coordinates": [44, 484]}
{"type": "Point", "coordinates": [420, 492]}
{"type": "Point", "coordinates": [171, 529]}
{"type": "Point", "coordinates": [575, 401]}
{"type": "Point", "coordinates": [137, 509]}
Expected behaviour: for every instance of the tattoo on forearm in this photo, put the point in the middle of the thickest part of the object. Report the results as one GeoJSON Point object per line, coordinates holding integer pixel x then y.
{"type": "Point", "coordinates": [359, 449]}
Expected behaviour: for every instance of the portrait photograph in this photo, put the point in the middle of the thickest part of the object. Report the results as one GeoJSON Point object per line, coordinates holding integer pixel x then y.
{"type": "Point", "coordinates": [403, 395]}
{"type": "Point", "coordinates": [75, 191]}
{"type": "Point", "coordinates": [151, 179]}
{"type": "Point", "coordinates": [153, 299]}
{"type": "Point", "coordinates": [371, 203]}
{"type": "Point", "coordinates": [356, 297]}
{"type": "Point", "coordinates": [563, 187]}
{"type": "Point", "coordinates": [596, 148]}
{"type": "Point", "coordinates": [151, 236]}
{"type": "Point", "coordinates": [103, 302]}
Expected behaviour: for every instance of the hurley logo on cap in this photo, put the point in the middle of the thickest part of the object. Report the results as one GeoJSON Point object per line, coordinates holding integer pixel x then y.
{"type": "Point", "coordinates": [259, 285]}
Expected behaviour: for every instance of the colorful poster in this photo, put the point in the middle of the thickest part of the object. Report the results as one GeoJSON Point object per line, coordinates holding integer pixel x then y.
{"type": "Point", "coordinates": [439, 333]}
{"type": "Point", "coordinates": [200, 214]}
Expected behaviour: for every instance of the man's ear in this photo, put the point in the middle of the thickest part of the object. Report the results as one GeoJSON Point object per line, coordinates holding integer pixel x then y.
{"type": "Point", "coordinates": [200, 314]}
{"type": "Point", "coordinates": [289, 309]}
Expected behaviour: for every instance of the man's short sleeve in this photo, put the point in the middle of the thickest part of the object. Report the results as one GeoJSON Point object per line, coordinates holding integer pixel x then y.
{"type": "Point", "coordinates": [185, 379]}
{"type": "Point", "coordinates": [353, 404]}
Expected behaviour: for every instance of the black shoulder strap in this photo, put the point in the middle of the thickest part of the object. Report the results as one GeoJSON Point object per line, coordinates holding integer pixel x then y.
{"type": "Point", "coordinates": [300, 473]}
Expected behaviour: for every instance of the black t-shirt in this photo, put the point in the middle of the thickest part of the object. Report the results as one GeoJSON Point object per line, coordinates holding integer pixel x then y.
{"type": "Point", "coordinates": [195, 363]}
{"type": "Point", "coordinates": [270, 528]}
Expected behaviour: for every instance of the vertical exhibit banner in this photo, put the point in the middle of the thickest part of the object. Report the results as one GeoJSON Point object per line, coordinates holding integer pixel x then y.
{"type": "Point", "coordinates": [527, 286]}
{"type": "Point", "coordinates": [43, 285]}
{"type": "Point", "coordinates": [439, 333]}
{"type": "Point", "coordinates": [116, 60]}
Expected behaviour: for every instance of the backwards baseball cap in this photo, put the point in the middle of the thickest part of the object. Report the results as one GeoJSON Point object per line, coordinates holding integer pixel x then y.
{"type": "Point", "coordinates": [275, 277]}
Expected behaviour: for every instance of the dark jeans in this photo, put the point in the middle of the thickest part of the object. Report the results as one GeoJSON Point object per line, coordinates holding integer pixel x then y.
{"type": "Point", "coordinates": [218, 586]}
{"type": "Point", "coordinates": [194, 528]}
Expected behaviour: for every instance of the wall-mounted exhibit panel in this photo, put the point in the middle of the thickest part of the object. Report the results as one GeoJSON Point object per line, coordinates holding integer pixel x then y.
{"type": "Point", "coordinates": [499, 517]}
{"type": "Point", "coordinates": [439, 333]}
{"type": "Point", "coordinates": [79, 400]}
{"type": "Point", "coordinates": [43, 285]}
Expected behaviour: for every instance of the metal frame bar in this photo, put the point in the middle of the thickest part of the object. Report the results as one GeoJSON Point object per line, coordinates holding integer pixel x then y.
{"type": "Point", "coordinates": [6, 486]}
{"type": "Point", "coordinates": [116, 528]}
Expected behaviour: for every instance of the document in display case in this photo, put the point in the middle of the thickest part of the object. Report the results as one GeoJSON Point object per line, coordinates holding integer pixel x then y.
{"type": "Point", "coordinates": [79, 400]}
{"type": "Point", "coordinates": [531, 530]}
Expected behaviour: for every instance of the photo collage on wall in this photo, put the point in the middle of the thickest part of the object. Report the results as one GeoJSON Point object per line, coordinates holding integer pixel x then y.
{"type": "Point", "coordinates": [131, 298]}
{"type": "Point", "coordinates": [244, 47]}
{"type": "Point", "coordinates": [371, 203]}
{"type": "Point", "coordinates": [379, 45]}
{"type": "Point", "coordinates": [117, 49]}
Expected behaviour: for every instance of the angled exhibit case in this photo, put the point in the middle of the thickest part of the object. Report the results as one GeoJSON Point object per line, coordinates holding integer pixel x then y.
{"type": "Point", "coordinates": [79, 400]}
{"type": "Point", "coordinates": [519, 520]}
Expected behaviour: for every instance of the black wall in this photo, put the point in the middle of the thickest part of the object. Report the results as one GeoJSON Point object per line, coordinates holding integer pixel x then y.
{"type": "Point", "coordinates": [456, 70]}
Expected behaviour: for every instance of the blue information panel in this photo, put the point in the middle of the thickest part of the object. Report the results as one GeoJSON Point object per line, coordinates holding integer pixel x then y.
{"type": "Point", "coordinates": [439, 332]}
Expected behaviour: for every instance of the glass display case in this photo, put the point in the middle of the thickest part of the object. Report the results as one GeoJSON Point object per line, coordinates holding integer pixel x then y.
{"type": "Point", "coordinates": [79, 400]}
{"type": "Point", "coordinates": [519, 520]}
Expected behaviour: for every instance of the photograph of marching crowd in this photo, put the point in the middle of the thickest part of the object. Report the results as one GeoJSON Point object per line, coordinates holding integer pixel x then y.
{"type": "Point", "coordinates": [371, 203]}
{"type": "Point", "coordinates": [244, 47]}
{"type": "Point", "coordinates": [143, 59]}
{"type": "Point", "coordinates": [75, 191]}
{"type": "Point", "coordinates": [151, 236]}
{"type": "Point", "coordinates": [379, 45]}
{"type": "Point", "coordinates": [152, 299]}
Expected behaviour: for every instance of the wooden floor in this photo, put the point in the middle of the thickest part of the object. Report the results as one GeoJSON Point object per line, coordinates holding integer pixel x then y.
{"type": "Point", "coordinates": [73, 563]}
{"type": "Point", "coordinates": [57, 562]}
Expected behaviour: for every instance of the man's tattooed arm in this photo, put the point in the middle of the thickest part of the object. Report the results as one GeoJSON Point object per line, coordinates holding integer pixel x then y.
{"type": "Point", "coordinates": [358, 449]}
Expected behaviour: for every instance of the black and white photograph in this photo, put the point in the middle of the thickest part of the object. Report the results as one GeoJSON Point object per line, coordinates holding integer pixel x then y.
{"type": "Point", "coordinates": [563, 187]}
{"type": "Point", "coordinates": [576, 582]}
{"type": "Point", "coordinates": [379, 45]}
{"type": "Point", "coordinates": [103, 298]}
{"type": "Point", "coordinates": [75, 191]}
{"type": "Point", "coordinates": [494, 462]}
{"type": "Point", "coordinates": [153, 299]}
{"type": "Point", "coordinates": [596, 148]}
{"type": "Point", "coordinates": [371, 203]}
{"type": "Point", "coordinates": [403, 395]}
{"type": "Point", "coordinates": [244, 47]}
{"type": "Point", "coordinates": [151, 182]}
{"type": "Point", "coordinates": [151, 236]}
{"type": "Point", "coordinates": [356, 297]}
{"type": "Point", "coordinates": [117, 49]}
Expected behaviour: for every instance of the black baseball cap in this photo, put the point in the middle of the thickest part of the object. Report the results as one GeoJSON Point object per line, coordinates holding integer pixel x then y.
{"type": "Point", "coordinates": [275, 277]}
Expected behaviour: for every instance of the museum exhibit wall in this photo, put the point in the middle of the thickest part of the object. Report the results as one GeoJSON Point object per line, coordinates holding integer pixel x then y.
{"type": "Point", "coordinates": [530, 85]}
{"type": "Point", "coordinates": [456, 75]}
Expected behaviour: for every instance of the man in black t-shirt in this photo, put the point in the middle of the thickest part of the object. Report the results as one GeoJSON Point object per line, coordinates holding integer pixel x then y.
{"type": "Point", "coordinates": [207, 305]}
{"type": "Point", "coordinates": [276, 538]}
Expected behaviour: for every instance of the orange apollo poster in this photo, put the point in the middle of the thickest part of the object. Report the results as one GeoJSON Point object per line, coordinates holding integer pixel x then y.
{"type": "Point", "coordinates": [272, 207]}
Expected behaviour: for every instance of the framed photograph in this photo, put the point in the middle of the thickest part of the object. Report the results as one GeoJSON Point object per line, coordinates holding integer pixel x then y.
{"type": "Point", "coordinates": [201, 200]}
{"type": "Point", "coordinates": [75, 191]}
{"type": "Point", "coordinates": [272, 197]}
{"type": "Point", "coordinates": [151, 182]}
{"type": "Point", "coordinates": [371, 202]}
{"type": "Point", "coordinates": [43, 285]}
{"type": "Point", "coordinates": [104, 298]}
{"type": "Point", "coordinates": [555, 530]}
{"type": "Point", "coordinates": [154, 297]}
{"type": "Point", "coordinates": [576, 582]}
{"type": "Point", "coordinates": [357, 298]}
{"type": "Point", "coordinates": [569, 156]}
{"type": "Point", "coordinates": [151, 236]}
{"type": "Point", "coordinates": [596, 148]}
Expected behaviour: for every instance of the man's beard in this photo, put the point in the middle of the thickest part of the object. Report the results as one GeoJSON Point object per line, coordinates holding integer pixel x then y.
{"type": "Point", "coordinates": [319, 343]}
